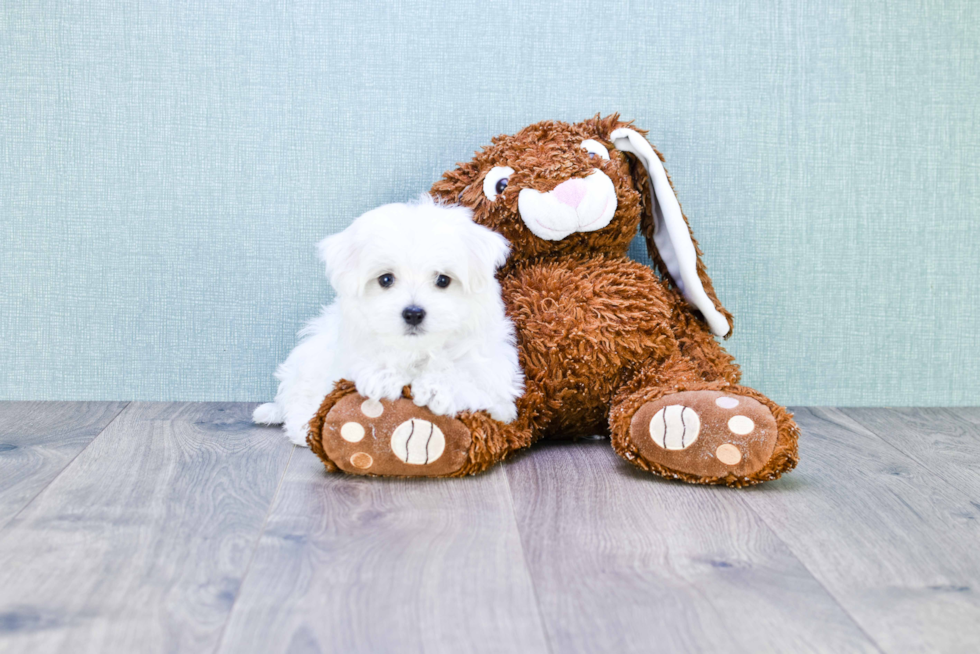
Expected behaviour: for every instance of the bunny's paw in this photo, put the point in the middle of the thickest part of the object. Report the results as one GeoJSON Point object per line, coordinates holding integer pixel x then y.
{"type": "Point", "coordinates": [720, 437]}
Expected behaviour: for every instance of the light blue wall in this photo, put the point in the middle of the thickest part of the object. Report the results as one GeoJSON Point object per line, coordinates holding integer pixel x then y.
{"type": "Point", "coordinates": [166, 168]}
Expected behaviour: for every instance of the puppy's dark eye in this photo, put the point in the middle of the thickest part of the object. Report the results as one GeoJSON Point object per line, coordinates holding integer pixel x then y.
{"type": "Point", "coordinates": [501, 185]}
{"type": "Point", "coordinates": [386, 280]}
{"type": "Point", "coordinates": [442, 281]}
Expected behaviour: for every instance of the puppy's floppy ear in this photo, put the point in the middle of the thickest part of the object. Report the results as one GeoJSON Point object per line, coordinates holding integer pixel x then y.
{"type": "Point", "coordinates": [340, 254]}
{"type": "Point", "coordinates": [486, 251]}
{"type": "Point", "coordinates": [668, 234]}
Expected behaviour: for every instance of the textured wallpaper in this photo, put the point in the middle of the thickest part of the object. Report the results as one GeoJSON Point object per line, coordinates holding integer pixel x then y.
{"type": "Point", "coordinates": [166, 169]}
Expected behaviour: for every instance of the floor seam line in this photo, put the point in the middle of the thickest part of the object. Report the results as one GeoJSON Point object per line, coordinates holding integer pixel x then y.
{"type": "Point", "coordinates": [255, 549]}
{"type": "Point", "coordinates": [66, 466]}
{"type": "Point", "coordinates": [789, 548]}
{"type": "Point", "coordinates": [527, 568]}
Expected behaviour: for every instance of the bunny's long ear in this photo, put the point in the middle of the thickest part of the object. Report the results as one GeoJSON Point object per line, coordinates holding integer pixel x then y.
{"type": "Point", "coordinates": [672, 235]}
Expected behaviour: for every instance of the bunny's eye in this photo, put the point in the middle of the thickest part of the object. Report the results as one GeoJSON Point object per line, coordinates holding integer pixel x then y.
{"type": "Point", "coordinates": [496, 181]}
{"type": "Point", "coordinates": [595, 149]}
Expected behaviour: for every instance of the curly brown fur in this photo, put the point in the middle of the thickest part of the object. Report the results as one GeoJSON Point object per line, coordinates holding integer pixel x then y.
{"type": "Point", "coordinates": [583, 326]}
{"type": "Point", "coordinates": [492, 442]}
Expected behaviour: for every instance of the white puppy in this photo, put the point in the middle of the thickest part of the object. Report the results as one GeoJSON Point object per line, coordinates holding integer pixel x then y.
{"type": "Point", "coordinates": [417, 304]}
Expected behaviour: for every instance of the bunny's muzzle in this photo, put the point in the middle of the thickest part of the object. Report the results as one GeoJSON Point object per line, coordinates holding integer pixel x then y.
{"type": "Point", "coordinates": [584, 204]}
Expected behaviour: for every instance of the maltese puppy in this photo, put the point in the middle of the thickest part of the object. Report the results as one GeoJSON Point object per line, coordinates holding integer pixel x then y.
{"type": "Point", "coordinates": [417, 305]}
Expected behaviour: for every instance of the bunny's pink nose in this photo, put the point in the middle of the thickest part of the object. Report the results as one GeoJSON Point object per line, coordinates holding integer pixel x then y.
{"type": "Point", "coordinates": [571, 192]}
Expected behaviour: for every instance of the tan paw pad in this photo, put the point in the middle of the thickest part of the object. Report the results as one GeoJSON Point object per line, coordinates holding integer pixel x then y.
{"type": "Point", "coordinates": [418, 442]}
{"type": "Point", "coordinates": [372, 408]}
{"type": "Point", "coordinates": [352, 432]}
{"type": "Point", "coordinates": [728, 454]}
{"type": "Point", "coordinates": [675, 427]}
{"type": "Point", "coordinates": [361, 460]}
{"type": "Point", "coordinates": [741, 425]}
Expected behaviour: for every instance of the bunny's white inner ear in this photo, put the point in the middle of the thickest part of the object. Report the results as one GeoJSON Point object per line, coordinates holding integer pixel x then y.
{"type": "Point", "coordinates": [670, 233]}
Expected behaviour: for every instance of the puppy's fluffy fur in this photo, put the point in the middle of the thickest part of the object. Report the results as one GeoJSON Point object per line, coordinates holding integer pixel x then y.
{"type": "Point", "coordinates": [460, 357]}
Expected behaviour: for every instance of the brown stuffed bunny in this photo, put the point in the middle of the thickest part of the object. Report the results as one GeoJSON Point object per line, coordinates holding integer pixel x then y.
{"type": "Point", "coordinates": [607, 345]}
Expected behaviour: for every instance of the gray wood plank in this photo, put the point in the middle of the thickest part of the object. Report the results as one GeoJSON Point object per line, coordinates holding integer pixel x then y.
{"type": "Point", "coordinates": [352, 564]}
{"type": "Point", "coordinates": [625, 562]}
{"type": "Point", "coordinates": [945, 441]}
{"type": "Point", "coordinates": [37, 441]}
{"type": "Point", "coordinates": [971, 413]}
{"type": "Point", "coordinates": [895, 544]}
{"type": "Point", "coordinates": [141, 543]}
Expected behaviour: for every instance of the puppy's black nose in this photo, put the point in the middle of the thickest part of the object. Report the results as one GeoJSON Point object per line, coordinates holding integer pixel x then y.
{"type": "Point", "coordinates": [413, 315]}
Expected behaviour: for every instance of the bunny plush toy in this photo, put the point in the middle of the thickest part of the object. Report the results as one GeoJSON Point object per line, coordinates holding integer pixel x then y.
{"type": "Point", "coordinates": [607, 345]}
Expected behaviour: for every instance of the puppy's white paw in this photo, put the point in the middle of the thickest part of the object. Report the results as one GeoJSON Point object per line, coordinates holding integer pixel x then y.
{"type": "Point", "coordinates": [438, 398]}
{"type": "Point", "coordinates": [297, 436]}
{"type": "Point", "coordinates": [269, 413]}
{"type": "Point", "coordinates": [380, 385]}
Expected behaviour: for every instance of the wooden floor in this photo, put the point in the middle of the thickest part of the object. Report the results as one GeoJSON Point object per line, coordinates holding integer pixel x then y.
{"type": "Point", "coordinates": [184, 528]}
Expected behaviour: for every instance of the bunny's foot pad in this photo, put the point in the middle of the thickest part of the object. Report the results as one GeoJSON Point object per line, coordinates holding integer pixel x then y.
{"type": "Point", "coordinates": [712, 434]}
{"type": "Point", "coordinates": [397, 439]}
